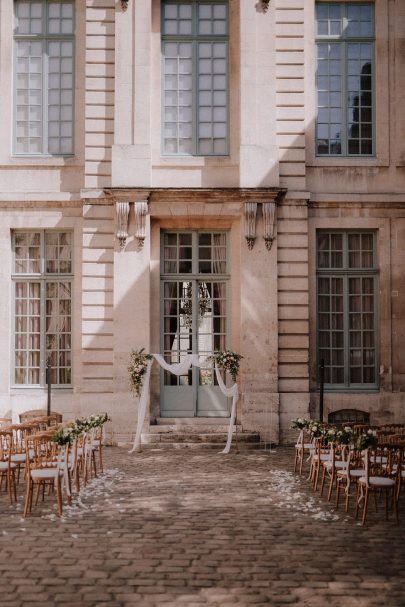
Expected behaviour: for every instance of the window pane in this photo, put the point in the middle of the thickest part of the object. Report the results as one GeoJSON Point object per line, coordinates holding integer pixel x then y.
{"type": "Point", "coordinates": [42, 314]}
{"type": "Point", "coordinates": [195, 79]}
{"type": "Point", "coordinates": [44, 84]}
{"type": "Point", "coordinates": [348, 132]}
{"type": "Point", "coordinates": [346, 308]}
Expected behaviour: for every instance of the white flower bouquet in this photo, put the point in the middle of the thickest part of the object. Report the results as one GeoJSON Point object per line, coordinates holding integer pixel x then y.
{"type": "Point", "coordinates": [137, 369]}
{"type": "Point", "coordinates": [228, 361]}
{"type": "Point", "coordinates": [300, 423]}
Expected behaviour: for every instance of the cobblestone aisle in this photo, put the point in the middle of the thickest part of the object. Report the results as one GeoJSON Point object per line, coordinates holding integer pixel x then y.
{"type": "Point", "coordinates": [196, 528]}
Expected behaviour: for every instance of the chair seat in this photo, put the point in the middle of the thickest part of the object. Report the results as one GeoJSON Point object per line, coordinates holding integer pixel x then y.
{"type": "Point", "coordinates": [308, 446]}
{"type": "Point", "coordinates": [338, 464]}
{"type": "Point", "coordinates": [355, 472]}
{"type": "Point", "coordinates": [18, 457]}
{"type": "Point", "coordinates": [5, 466]}
{"type": "Point", "coordinates": [44, 473]}
{"type": "Point", "coordinates": [377, 481]}
{"type": "Point", "coordinates": [323, 457]}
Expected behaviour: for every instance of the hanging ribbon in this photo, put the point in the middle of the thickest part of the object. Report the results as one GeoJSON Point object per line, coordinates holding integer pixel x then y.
{"type": "Point", "coordinates": [181, 368]}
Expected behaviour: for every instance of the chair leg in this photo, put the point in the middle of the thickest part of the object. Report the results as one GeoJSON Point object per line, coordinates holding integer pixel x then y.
{"type": "Point", "coordinates": [101, 459]}
{"type": "Point", "coordinates": [365, 507]}
{"type": "Point", "coordinates": [357, 501]}
{"type": "Point", "coordinates": [27, 497]}
{"type": "Point", "coordinates": [337, 493]}
{"type": "Point", "coordinates": [323, 480]}
{"type": "Point", "coordinates": [332, 481]}
{"type": "Point", "coordinates": [396, 509]}
{"type": "Point", "coordinates": [59, 495]}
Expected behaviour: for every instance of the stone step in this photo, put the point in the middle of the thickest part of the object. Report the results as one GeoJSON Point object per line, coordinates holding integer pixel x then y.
{"type": "Point", "coordinates": [180, 428]}
{"type": "Point", "coordinates": [214, 440]}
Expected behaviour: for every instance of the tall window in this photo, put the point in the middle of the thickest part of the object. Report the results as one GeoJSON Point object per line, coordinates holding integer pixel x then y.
{"type": "Point", "coordinates": [42, 278]}
{"type": "Point", "coordinates": [195, 77]}
{"type": "Point", "coordinates": [344, 79]}
{"type": "Point", "coordinates": [347, 308]}
{"type": "Point", "coordinates": [43, 91]}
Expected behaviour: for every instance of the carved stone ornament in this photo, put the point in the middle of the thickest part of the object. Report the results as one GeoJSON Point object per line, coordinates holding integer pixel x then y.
{"type": "Point", "coordinates": [250, 209]}
{"type": "Point", "coordinates": [269, 215]}
{"type": "Point", "coordinates": [141, 210]}
{"type": "Point", "coordinates": [124, 5]}
{"type": "Point", "coordinates": [265, 5]}
{"type": "Point", "coordinates": [122, 211]}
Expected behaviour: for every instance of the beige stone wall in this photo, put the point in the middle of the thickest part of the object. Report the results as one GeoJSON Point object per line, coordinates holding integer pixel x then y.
{"type": "Point", "coordinates": [117, 152]}
{"type": "Point", "coordinates": [36, 215]}
{"type": "Point", "coordinates": [99, 99]}
{"type": "Point", "coordinates": [386, 216]}
{"type": "Point", "coordinates": [28, 178]}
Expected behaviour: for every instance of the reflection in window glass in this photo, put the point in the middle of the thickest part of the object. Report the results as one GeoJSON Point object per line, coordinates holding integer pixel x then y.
{"type": "Point", "coordinates": [43, 306]}
{"type": "Point", "coordinates": [344, 79]}
{"type": "Point", "coordinates": [346, 308]}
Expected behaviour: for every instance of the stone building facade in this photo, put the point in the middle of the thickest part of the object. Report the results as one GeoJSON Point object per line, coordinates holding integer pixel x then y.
{"type": "Point", "coordinates": [188, 176]}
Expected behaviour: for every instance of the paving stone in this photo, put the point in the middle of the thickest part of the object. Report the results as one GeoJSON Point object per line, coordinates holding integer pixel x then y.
{"type": "Point", "coordinates": [167, 528]}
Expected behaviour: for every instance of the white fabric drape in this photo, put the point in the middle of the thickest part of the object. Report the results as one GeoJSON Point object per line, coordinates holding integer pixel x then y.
{"type": "Point", "coordinates": [181, 368]}
{"type": "Point", "coordinates": [232, 392]}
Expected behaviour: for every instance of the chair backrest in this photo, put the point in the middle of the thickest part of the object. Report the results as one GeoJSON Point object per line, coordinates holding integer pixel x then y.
{"type": "Point", "coordinates": [38, 413]}
{"type": "Point", "coordinates": [43, 451]}
{"type": "Point", "coordinates": [6, 445]}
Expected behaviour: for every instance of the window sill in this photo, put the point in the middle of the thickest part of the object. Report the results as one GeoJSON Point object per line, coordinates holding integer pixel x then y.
{"type": "Point", "coordinates": [349, 390]}
{"type": "Point", "coordinates": [51, 161]}
{"type": "Point", "coordinates": [336, 161]}
{"type": "Point", "coordinates": [16, 388]}
{"type": "Point", "coordinates": [192, 161]}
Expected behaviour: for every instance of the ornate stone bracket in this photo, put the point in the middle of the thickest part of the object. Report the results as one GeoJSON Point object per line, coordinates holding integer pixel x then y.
{"type": "Point", "coordinates": [250, 209]}
{"type": "Point", "coordinates": [124, 5]}
{"type": "Point", "coordinates": [141, 210]}
{"type": "Point", "coordinates": [122, 212]}
{"type": "Point", "coordinates": [265, 5]}
{"type": "Point", "coordinates": [269, 215]}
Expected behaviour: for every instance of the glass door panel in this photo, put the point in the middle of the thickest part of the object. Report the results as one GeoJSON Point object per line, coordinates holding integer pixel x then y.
{"type": "Point", "coordinates": [194, 320]}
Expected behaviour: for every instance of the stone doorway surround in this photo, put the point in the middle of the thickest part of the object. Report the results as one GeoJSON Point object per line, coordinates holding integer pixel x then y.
{"type": "Point", "coordinates": [250, 214]}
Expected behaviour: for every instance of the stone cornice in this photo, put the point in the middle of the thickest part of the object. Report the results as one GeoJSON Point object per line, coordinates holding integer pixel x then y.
{"type": "Point", "coordinates": [197, 195]}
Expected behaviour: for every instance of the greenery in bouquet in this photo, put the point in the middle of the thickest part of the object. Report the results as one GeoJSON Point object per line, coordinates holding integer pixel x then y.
{"type": "Point", "coordinates": [99, 419]}
{"type": "Point", "coordinates": [317, 429]}
{"type": "Point", "coordinates": [137, 369]}
{"type": "Point", "coordinates": [338, 436]}
{"type": "Point", "coordinates": [345, 436]}
{"type": "Point", "coordinates": [300, 423]}
{"type": "Point", "coordinates": [228, 361]}
{"type": "Point", "coordinates": [65, 436]}
{"type": "Point", "coordinates": [366, 440]}
{"type": "Point", "coordinates": [82, 424]}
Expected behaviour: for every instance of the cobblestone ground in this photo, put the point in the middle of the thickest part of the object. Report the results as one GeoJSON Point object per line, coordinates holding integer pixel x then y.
{"type": "Point", "coordinates": [196, 528]}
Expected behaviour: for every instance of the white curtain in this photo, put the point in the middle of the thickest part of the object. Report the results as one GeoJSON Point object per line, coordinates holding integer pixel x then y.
{"type": "Point", "coordinates": [181, 369]}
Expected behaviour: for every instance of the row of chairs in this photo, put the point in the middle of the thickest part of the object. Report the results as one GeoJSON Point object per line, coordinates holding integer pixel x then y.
{"type": "Point", "coordinates": [379, 471]}
{"type": "Point", "coordinates": [46, 465]}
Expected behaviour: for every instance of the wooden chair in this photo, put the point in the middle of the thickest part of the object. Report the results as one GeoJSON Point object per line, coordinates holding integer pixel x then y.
{"type": "Point", "coordinates": [320, 453]}
{"type": "Point", "coordinates": [381, 476]}
{"type": "Point", "coordinates": [330, 467]}
{"type": "Point", "coordinates": [7, 467]}
{"type": "Point", "coordinates": [28, 416]}
{"type": "Point", "coordinates": [349, 475]}
{"type": "Point", "coordinates": [303, 447]}
{"type": "Point", "coordinates": [47, 468]}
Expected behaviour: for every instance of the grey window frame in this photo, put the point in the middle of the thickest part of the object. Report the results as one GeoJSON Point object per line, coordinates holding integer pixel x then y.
{"type": "Point", "coordinates": [194, 39]}
{"type": "Point", "coordinates": [45, 38]}
{"type": "Point", "coordinates": [194, 276]}
{"type": "Point", "coordinates": [346, 273]}
{"type": "Point", "coordinates": [41, 278]}
{"type": "Point", "coordinates": [343, 41]}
